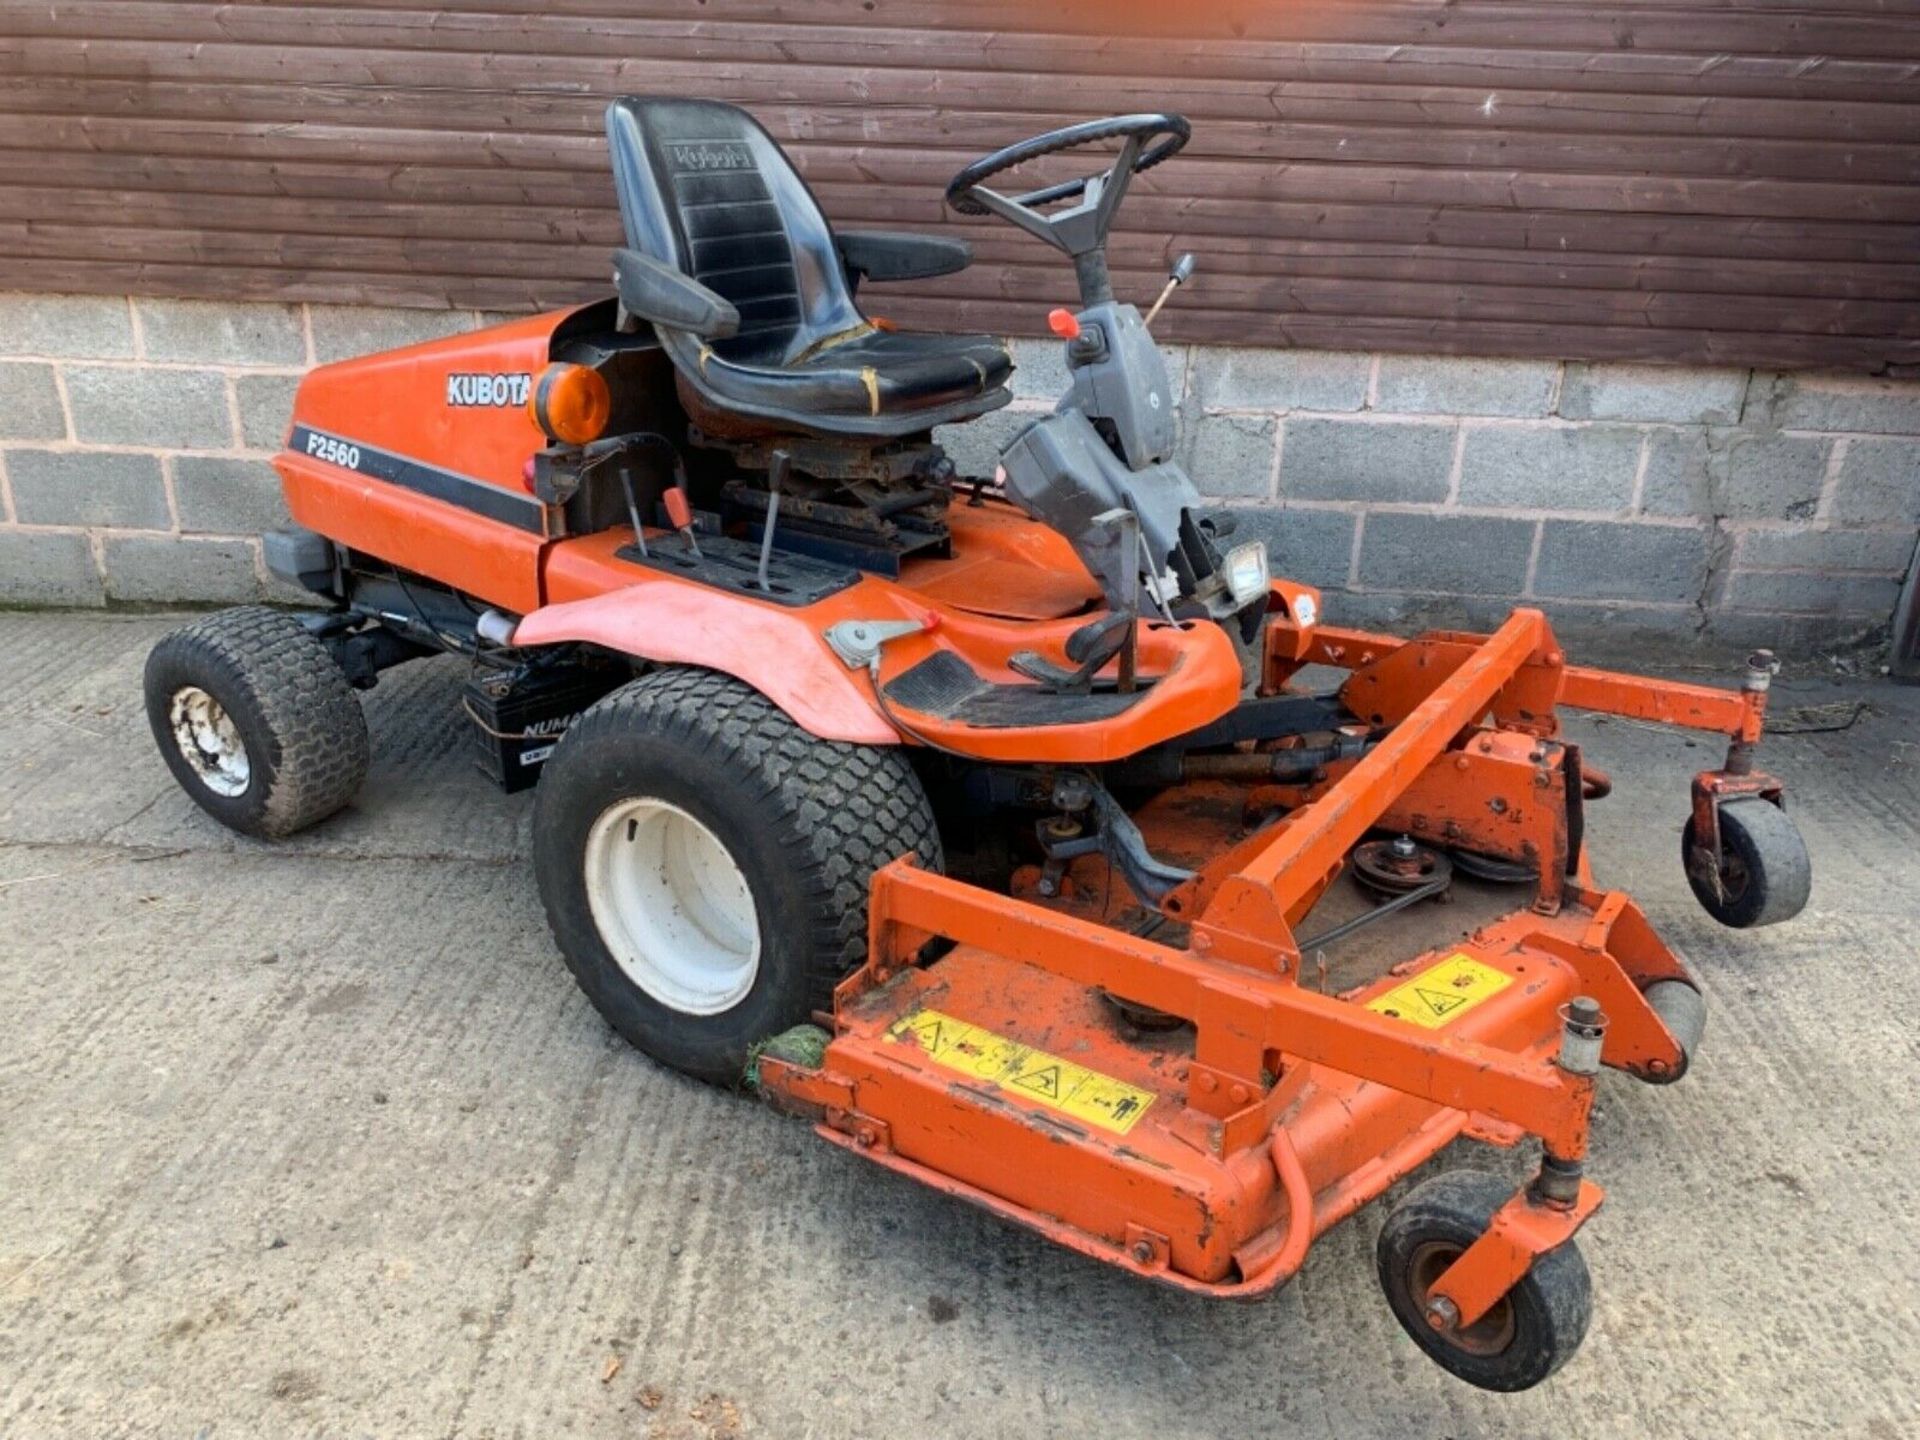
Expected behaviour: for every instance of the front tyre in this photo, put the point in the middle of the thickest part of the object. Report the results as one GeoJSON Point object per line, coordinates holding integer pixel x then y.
{"type": "Point", "coordinates": [705, 863]}
{"type": "Point", "coordinates": [256, 721]}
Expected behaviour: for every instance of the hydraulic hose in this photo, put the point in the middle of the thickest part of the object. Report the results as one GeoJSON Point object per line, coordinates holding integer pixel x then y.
{"type": "Point", "coordinates": [1293, 1184]}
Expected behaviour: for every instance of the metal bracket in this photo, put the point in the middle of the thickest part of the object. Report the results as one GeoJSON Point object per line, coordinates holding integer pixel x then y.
{"type": "Point", "coordinates": [1116, 836]}
{"type": "Point", "coordinates": [858, 642]}
{"type": "Point", "coordinates": [867, 1133]}
{"type": "Point", "coordinates": [1711, 790]}
{"type": "Point", "coordinates": [1524, 1229]}
{"type": "Point", "coordinates": [1148, 1249]}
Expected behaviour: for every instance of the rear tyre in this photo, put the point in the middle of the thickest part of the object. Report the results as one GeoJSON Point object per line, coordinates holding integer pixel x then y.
{"type": "Point", "coordinates": [1535, 1327]}
{"type": "Point", "coordinates": [705, 863]}
{"type": "Point", "coordinates": [256, 721]}
{"type": "Point", "coordinates": [1765, 873]}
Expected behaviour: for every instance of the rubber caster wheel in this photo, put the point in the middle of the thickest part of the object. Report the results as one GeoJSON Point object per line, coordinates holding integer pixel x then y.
{"type": "Point", "coordinates": [1683, 1011]}
{"type": "Point", "coordinates": [1533, 1330]}
{"type": "Point", "coordinates": [256, 721]}
{"type": "Point", "coordinates": [1765, 875]}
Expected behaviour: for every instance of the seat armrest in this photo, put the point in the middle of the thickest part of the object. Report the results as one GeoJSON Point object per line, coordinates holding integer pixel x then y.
{"type": "Point", "coordinates": [881, 255]}
{"type": "Point", "coordinates": [665, 296]}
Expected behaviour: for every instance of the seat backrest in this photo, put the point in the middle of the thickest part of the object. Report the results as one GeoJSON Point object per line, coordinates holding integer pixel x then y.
{"type": "Point", "coordinates": [702, 187]}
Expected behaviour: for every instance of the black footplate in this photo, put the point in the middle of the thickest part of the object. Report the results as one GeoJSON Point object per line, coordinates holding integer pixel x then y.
{"type": "Point", "coordinates": [729, 564]}
{"type": "Point", "coordinates": [945, 685]}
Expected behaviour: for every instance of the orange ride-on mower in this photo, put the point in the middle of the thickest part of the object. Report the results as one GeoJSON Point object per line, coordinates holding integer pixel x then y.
{"type": "Point", "coordinates": [981, 820]}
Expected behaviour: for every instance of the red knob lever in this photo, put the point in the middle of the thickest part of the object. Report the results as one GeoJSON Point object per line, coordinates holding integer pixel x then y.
{"type": "Point", "coordinates": [1064, 323]}
{"type": "Point", "coordinates": [678, 510]}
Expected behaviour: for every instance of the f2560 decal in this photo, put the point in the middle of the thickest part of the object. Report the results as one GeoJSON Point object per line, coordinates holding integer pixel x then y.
{"type": "Point", "coordinates": [510, 506]}
{"type": "Point", "coordinates": [334, 452]}
{"type": "Point", "coordinates": [501, 388]}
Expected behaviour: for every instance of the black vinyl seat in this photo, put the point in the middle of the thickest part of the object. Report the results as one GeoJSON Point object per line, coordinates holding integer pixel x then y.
{"type": "Point", "coordinates": [705, 190]}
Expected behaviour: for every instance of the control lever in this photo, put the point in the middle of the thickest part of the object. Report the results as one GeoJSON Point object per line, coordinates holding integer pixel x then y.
{"type": "Point", "coordinates": [633, 508]}
{"type": "Point", "coordinates": [1056, 678]}
{"type": "Point", "coordinates": [779, 466]}
{"type": "Point", "coordinates": [680, 512]}
{"type": "Point", "coordinates": [1095, 643]}
{"type": "Point", "coordinates": [1181, 273]}
{"type": "Point", "coordinates": [1124, 526]}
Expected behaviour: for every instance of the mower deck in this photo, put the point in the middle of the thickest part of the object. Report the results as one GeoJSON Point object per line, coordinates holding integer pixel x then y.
{"type": "Point", "coordinates": [1181, 1097]}
{"type": "Point", "coordinates": [999, 1079]}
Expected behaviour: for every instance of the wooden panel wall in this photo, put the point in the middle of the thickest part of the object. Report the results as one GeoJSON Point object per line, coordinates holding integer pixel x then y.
{"type": "Point", "coordinates": [1687, 180]}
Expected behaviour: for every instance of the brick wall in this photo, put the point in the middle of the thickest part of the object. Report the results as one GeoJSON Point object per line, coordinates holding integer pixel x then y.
{"type": "Point", "coordinates": [1720, 506]}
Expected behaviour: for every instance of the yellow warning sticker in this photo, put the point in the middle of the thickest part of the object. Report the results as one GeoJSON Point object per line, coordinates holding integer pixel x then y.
{"type": "Point", "coordinates": [1441, 993]}
{"type": "Point", "coordinates": [1046, 1079]}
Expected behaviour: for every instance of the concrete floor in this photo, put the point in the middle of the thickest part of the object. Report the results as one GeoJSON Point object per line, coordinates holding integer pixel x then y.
{"type": "Point", "coordinates": [320, 1139]}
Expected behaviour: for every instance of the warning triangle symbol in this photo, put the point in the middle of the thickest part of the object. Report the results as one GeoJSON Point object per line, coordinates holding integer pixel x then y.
{"type": "Point", "coordinates": [1044, 1081]}
{"type": "Point", "coordinates": [928, 1034]}
{"type": "Point", "coordinates": [1440, 1002]}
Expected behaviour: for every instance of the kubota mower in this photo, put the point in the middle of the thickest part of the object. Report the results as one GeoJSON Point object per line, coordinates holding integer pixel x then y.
{"type": "Point", "coordinates": [985, 821]}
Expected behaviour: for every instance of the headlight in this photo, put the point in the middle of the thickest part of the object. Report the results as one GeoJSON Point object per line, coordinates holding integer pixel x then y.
{"type": "Point", "coordinates": [1246, 572]}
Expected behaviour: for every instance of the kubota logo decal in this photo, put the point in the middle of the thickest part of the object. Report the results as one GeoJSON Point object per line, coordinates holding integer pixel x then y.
{"type": "Point", "coordinates": [713, 155]}
{"type": "Point", "coordinates": [500, 389]}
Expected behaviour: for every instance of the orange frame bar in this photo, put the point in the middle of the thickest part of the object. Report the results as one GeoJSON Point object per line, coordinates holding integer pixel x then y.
{"type": "Point", "coordinates": [1306, 851]}
{"type": "Point", "coordinates": [1240, 1016]}
{"type": "Point", "coordinates": [1607, 692]}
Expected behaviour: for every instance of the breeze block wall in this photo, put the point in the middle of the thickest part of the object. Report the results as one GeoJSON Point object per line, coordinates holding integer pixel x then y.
{"type": "Point", "coordinates": [1670, 506]}
{"type": "Point", "coordinates": [1638, 505]}
{"type": "Point", "coordinates": [135, 436]}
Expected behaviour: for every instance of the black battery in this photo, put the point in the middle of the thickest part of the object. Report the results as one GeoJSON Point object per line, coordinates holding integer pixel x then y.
{"type": "Point", "coordinates": [518, 716]}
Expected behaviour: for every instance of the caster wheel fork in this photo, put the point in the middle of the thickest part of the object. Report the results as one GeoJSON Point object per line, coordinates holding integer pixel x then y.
{"type": "Point", "coordinates": [1525, 1335]}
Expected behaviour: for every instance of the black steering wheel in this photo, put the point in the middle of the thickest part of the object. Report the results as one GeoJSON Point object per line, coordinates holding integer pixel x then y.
{"type": "Point", "coordinates": [1084, 227]}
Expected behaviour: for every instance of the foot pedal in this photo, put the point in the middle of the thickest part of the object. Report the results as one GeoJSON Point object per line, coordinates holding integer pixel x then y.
{"type": "Point", "coordinates": [947, 687]}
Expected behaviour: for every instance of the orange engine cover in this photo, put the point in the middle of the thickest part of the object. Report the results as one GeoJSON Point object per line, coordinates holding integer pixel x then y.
{"type": "Point", "coordinates": [417, 456]}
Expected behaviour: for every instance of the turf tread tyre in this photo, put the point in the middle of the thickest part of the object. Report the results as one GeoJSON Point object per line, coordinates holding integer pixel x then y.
{"type": "Point", "coordinates": [305, 734]}
{"type": "Point", "coordinates": [1552, 1304]}
{"type": "Point", "coordinates": [1762, 843]}
{"type": "Point", "coordinates": [833, 813]}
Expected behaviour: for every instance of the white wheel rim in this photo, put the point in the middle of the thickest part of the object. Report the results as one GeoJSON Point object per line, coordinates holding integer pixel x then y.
{"type": "Point", "coordinates": [672, 907]}
{"type": "Point", "coordinates": [209, 741]}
